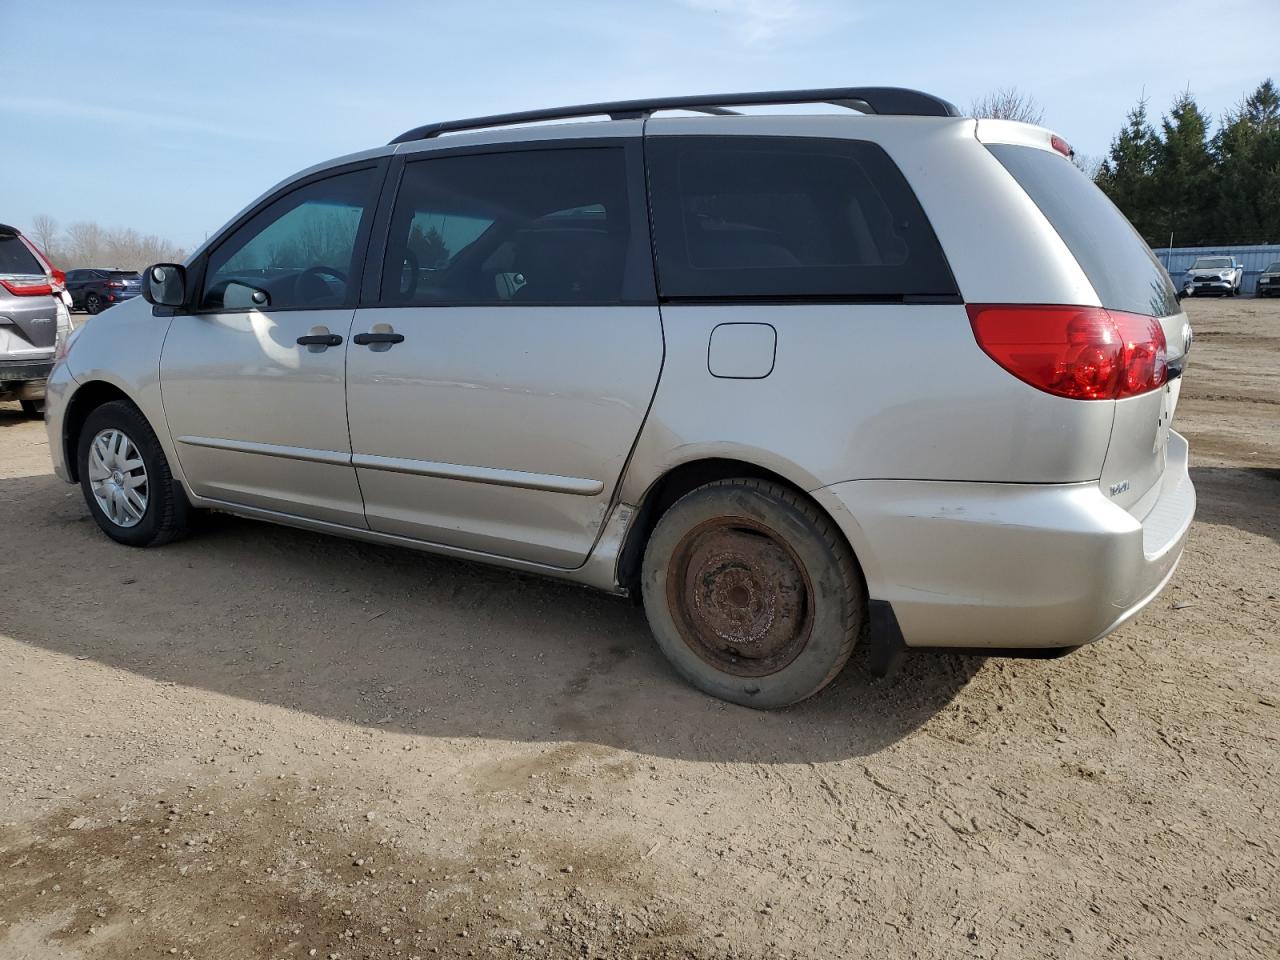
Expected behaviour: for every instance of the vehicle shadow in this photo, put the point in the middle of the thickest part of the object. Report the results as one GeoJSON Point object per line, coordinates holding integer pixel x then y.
{"type": "Point", "coordinates": [11, 415]}
{"type": "Point", "coordinates": [405, 641]}
{"type": "Point", "coordinates": [1247, 498]}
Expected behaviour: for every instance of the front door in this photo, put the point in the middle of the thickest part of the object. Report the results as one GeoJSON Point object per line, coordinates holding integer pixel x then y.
{"type": "Point", "coordinates": [496, 388]}
{"type": "Point", "coordinates": [253, 379]}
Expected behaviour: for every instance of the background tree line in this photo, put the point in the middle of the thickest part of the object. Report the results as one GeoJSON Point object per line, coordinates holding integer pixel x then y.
{"type": "Point", "coordinates": [88, 244]}
{"type": "Point", "coordinates": [1182, 177]}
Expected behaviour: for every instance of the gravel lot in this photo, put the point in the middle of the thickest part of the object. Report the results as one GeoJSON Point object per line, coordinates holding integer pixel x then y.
{"type": "Point", "coordinates": [264, 743]}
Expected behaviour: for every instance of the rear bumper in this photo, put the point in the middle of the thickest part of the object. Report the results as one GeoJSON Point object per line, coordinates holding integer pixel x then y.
{"type": "Point", "coordinates": [987, 565]}
{"type": "Point", "coordinates": [24, 379]}
{"type": "Point", "coordinates": [24, 370]}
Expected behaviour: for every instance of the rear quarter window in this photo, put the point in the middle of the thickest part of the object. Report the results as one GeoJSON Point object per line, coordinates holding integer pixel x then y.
{"type": "Point", "coordinates": [15, 258]}
{"type": "Point", "coordinates": [1118, 263]}
{"type": "Point", "coordinates": [788, 219]}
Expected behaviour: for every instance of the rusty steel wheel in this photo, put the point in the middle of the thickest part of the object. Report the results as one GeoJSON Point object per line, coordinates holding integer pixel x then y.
{"type": "Point", "coordinates": [752, 592]}
{"type": "Point", "coordinates": [740, 596]}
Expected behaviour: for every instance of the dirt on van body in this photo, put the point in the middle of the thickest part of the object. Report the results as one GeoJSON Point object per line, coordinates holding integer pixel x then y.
{"type": "Point", "coordinates": [264, 743]}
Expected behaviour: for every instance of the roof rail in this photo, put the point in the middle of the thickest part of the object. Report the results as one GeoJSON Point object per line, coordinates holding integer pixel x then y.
{"type": "Point", "coordinates": [882, 100]}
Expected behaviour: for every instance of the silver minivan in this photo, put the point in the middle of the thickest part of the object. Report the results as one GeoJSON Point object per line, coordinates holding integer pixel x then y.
{"type": "Point", "coordinates": [791, 380]}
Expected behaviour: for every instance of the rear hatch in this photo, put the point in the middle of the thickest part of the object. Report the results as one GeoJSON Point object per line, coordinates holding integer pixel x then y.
{"type": "Point", "coordinates": [28, 322]}
{"type": "Point", "coordinates": [1126, 277]}
{"type": "Point", "coordinates": [131, 280]}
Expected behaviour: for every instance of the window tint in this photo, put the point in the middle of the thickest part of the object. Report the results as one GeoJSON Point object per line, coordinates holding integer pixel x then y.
{"type": "Point", "coordinates": [300, 250]}
{"type": "Point", "coordinates": [15, 258]}
{"type": "Point", "coordinates": [1121, 267]}
{"type": "Point", "coordinates": [739, 217]}
{"type": "Point", "coordinates": [546, 226]}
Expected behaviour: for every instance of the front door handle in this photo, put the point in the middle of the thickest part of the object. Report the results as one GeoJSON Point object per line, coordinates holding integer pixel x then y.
{"type": "Point", "coordinates": [363, 339]}
{"type": "Point", "coordinates": [320, 340]}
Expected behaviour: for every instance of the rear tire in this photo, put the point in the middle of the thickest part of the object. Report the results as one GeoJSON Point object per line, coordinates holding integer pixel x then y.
{"type": "Point", "coordinates": [33, 408]}
{"type": "Point", "coordinates": [126, 480]}
{"type": "Point", "coordinates": [752, 593]}
{"type": "Point", "coordinates": [93, 304]}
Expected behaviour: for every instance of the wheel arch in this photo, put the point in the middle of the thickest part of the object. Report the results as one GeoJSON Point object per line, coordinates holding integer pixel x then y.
{"type": "Point", "coordinates": [87, 398]}
{"type": "Point", "coordinates": [683, 478]}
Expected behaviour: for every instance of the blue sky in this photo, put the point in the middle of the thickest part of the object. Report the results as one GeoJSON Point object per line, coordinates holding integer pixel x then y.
{"type": "Point", "coordinates": [169, 118]}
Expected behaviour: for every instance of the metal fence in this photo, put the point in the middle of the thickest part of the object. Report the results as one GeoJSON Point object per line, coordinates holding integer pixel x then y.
{"type": "Point", "coordinates": [1254, 258]}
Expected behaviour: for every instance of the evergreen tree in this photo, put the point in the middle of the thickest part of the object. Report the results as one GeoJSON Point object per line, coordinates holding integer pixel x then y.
{"type": "Point", "coordinates": [1184, 178]}
{"type": "Point", "coordinates": [1204, 190]}
{"type": "Point", "coordinates": [1127, 172]}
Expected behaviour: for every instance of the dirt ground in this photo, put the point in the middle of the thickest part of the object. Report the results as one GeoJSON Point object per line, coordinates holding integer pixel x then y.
{"type": "Point", "coordinates": [264, 743]}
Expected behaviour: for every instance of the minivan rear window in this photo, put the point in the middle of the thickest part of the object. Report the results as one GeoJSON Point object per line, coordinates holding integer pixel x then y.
{"type": "Point", "coordinates": [788, 219]}
{"type": "Point", "coordinates": [1118, 263]}
{"type": "Point", "coordinates": [15, 258]}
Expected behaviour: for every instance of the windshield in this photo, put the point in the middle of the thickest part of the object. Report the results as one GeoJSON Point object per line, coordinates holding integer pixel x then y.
{"type": "Point", "coordinates": [1211, 263]}
{"type": "Point", "coordinates": [1274, 268]}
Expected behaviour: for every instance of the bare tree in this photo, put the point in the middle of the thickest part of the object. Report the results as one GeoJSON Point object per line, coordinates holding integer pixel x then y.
{"type": "Point", "coordinates": [1090, 164]}
{"type": "Point", "coordinates": [84, 244]}
{"type": "Point", "coordinates": [44, 233]}
{"type": "Point", "coordinates": [89, 244]}
{"type": "Point", "coordinates": [1008, 103]}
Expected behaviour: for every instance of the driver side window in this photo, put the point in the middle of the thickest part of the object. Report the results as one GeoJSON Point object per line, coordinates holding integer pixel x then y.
{"type": "Point", "coordinates": [297, 253]}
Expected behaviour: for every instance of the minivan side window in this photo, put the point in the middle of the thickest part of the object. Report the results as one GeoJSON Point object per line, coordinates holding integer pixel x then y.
{"type": "Point", "coordinates": [524, 227]}
{"type": "Point", "coordinates": [299, 252]}
{"type": "Point", "coordinates": [788, 219]}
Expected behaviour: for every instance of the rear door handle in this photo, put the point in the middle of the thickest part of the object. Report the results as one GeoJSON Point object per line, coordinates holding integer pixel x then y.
{"type": "Point", "coordinates": [320, 340]}
{"type": "Point", "coordinates": [367, 338]}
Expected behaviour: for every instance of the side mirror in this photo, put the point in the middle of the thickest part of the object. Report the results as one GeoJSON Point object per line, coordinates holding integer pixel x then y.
{"type": "Point", "coordinates": [165, 285]}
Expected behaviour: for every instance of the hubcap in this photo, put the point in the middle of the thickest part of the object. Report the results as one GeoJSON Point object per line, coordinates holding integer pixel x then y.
{"type": "Point", "coordinates": [740, 597]}
{"type": "Point", "coordinates": [118, 477]}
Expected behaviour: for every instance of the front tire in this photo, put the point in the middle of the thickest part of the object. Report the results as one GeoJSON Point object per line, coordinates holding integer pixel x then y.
{"type": "Point", "coordinates": [126, 480]}
{"type": "Point", "coordinates": [752, 593]}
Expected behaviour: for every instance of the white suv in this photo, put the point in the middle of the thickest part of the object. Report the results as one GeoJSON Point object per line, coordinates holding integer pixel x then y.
{"type": "Point", "coordinates": [791, 380]}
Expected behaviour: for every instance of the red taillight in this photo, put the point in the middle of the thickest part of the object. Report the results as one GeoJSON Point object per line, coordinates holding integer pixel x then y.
{"type": "Point", "coordinates": [28, 288]}
{"type": "Point", "coordinates": [1082, 353]}
{"type": "Point", "coordinates": [115, 284]}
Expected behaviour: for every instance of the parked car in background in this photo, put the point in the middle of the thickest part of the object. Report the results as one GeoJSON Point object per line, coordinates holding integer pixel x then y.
{"type": "Point", "coordinates": [788, 380]}
{"type": "Point", "coordinates": [34, 320]}
{"type": "Point", "coordinates": [1219, 275]}
{"type": "Point", "coordinates": [1269, 281]}
{"type": "Point", "coordinates": [93, 289]}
